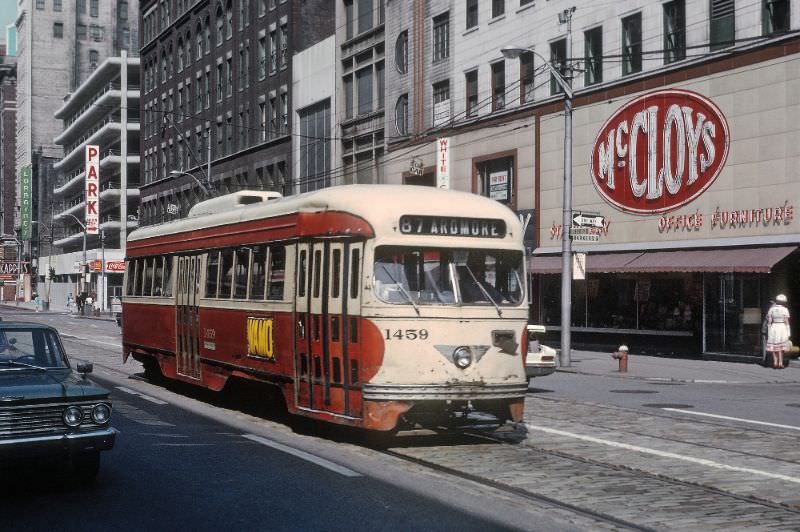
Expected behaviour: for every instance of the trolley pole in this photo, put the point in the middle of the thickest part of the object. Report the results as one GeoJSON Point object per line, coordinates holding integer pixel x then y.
{"type": "Point", "coordinates": [566, 238]}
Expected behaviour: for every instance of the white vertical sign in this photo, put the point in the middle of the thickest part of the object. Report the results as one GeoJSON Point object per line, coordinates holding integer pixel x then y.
{"type": "Point", "coordinates": [443, 163]}
{"type": "Point", "coordinates": [579, 266]}
{"type": "Point", "coordinates": [92, 214]}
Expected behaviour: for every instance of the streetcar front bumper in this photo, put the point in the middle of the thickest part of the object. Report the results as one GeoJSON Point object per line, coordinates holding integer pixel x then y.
{"type": "Point", "coordinates": [444, 392]}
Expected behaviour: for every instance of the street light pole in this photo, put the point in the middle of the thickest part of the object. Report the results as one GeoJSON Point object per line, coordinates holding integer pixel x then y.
{"type": "Point", "coordinates": [511, 52]}
{"type": "Point", "coordinates": [83, 227]}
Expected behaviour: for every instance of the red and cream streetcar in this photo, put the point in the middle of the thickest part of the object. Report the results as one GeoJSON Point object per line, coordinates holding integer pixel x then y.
{"type": "Point", "coordinates": [371, 305]}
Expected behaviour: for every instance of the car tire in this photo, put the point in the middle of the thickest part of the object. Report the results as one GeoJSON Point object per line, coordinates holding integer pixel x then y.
{"type": "Point", "coordinates": [85, 467]}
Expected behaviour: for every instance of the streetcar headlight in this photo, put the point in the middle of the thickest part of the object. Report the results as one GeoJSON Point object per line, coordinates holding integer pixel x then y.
{"type": "Point", "coordinates": [101, 413]}
{"type": "Point", "coordinates": [72, 416]}
{"type": "Point", "coordinates": [462, 357]}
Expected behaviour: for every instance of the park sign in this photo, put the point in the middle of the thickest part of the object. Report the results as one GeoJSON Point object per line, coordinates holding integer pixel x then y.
{"type": "Point", "coordinates": [659, 152]}
{"type": "Point", "coordinates": [92, 214]}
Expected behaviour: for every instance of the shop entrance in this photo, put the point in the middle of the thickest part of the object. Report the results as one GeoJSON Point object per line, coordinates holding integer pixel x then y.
{"type": "Point", "coordinates": [732, 313]}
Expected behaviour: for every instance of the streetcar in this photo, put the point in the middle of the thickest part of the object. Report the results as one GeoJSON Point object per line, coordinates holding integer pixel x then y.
{"type": "Point", "coordinates": [379, 306]}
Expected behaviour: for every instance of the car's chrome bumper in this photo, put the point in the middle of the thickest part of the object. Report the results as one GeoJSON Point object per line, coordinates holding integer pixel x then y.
{"type": "Point", "coordinates": [58, 444]}
{"type": "Point", "coordinates": [539, 370]}
{"type": "Point", "coordinates": [425, 392]}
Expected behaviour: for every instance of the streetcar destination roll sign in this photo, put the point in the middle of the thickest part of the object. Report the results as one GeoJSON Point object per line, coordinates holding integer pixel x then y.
{"type": "Point", "coordinates": [452, 226]}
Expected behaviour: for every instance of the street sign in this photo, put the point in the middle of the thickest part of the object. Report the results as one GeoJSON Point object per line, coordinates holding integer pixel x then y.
{"type": "Point", "coordinates": [586, 238]}
{"type": "Point", "coordinates": [579, 266]}
{"type": "Point", "coordinates": [583, 220]}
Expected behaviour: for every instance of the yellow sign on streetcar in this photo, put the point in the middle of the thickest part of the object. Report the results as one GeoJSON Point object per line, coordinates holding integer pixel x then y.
{"type": "Point", "coordinates": [260, 341]}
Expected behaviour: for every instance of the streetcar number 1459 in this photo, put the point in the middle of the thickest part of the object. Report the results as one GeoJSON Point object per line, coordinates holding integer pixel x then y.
{"type": "Point", "coordinates": [406, 334]}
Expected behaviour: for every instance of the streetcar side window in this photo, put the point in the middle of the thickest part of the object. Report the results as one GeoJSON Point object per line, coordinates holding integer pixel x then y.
{"type": "Point", "coordinates": [225, 274]}
{"type": "Point", "coordinates": [168, 276]}
{"type": "Point", "coordinates": [147, 279]}
{"type": "Point", "coordinates": [158, 279]}
{"type": "Point", "coordinates": [317, 272]}
{"type": "Point", "coordinates": [301, 275]}
{"type": "Point", "coordinates": [130, 271]}
{"type": "Point", "coordinates": [277, 270]}
{"type": "Point", "coordinates": [336, 273]}
{"type": "Point", "coordinates": [240, 273]}
{"type": "Point", "coordinates": [258, 273]}
{"type": "Point", "coordinates": [212, 272]}
{"type": "Point", "coordinates": [355, 260]}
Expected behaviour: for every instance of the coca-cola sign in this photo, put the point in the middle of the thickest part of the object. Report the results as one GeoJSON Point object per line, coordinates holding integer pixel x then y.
{"type": "Point", "coordinates": [659, 151]}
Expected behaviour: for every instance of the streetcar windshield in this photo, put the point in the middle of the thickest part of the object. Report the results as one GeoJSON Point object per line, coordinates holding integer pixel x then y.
{"type": "Point", "coordinates": [440, 276]}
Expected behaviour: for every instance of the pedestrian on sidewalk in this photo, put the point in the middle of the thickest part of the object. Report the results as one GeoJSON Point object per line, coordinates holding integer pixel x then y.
{"type": "Point", "coordinates": [69, 302]}
{"type": "Point", "coordinates": [778, 331]}
{"type": "Point", "coordinates": [37, 301]}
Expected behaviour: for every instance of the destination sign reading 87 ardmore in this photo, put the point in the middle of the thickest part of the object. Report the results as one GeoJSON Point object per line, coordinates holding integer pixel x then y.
{"type": "Point", "coordinates": [452, 226]}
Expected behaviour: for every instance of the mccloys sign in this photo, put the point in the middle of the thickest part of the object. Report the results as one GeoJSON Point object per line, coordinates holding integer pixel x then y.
{"type": "Point", "coordinates": [659, 152]}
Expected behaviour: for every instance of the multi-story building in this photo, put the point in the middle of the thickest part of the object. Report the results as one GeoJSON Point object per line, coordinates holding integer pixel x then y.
{"type": "Point", "coordinates": [103, 111]}
{"type": "Point", "coordinates": [217, 97]}
{"type": "Point", "coordinates": [59, 45]}
{"type": "Point", "coordinates": [361, 64]}
{"type": "Point", "coordinates": [8, 192]}
{"type": "Point", "coordinates": [690, 251]}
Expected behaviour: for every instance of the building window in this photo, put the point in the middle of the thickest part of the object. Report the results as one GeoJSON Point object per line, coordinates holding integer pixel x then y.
{"type": "Point", "coordinates": [498, 8]}
{"type": "Point", "coordinates": [632, 44]}
{"type": "Point", "coordinates": [80, 32]}
{"type": "Point", "coordinates": [94, 58]}
{"type": "Point", "coordinates": [401, 115]}
{"type": "Point", "coordinates": [273, 51]}
{"type": "Point", "coordinates": [94, 8]}
{"type": "Point", "coordinates": [220, 21]}
{"type": "Point", "coordinates": [723, 27]}
{"type": "Point", "coordinates": [228, 76]}
{"type": "Point", "coordinates": [495, 179]}
{"type": "Point", "coordinates": [558, 58]}
{"type": "Point", "coordinates": [525, 2]}
{"type": "Point", "coordinates": [364, 15]}
{"type": "Point", "coordinates": [219, 82]}
{"type": "Point", "coordinates": [401, 52]}
{"type": "Point", "coordinates": [471, 81]}
{"type": "Point", "coordinates": [180, 55]}
{"type": "Point", "coordinates": [441, 103]}
{"type": "Point", "coordinates": [207, 35]}
{"type": "Point", "coordinates": [207, 89]}
{"type": "Point", "coordinates": [348, 19]}
{"type": "Point", "coordinates": [472, 13]}
{"type": "Point", "coordinates": [40, 4]}
{"type": "Point", "coordinates": [526, 75]}
{"type": "Point", "coordinates": [262, 7]}
{"type": "Point", "coordinates": [80, 6]}
{"type": "Point", "coordinates": [380, 81]}
{"type": "Point", "coordinates": [284, 118]}
{"type": "Point", "coordinates": [58, 30]}
{"type": "Point", "coordinates": [198, 96]}
{"type": "Point", "coordinates": [262, 58]}
{"type": "Point", "coordinates": [284, 36]}
{"type": "Point", "coordinates": [188, 48]}
{"type": "Point", "coordinates": [348, 96]}
{"type": "Point", "coordinates": [775, 16]}
{"type": "Point", "coordinates": [122, 10]}
{"type": "Point", "coordinates": [262, 113]}
{"type": "Point", "coordinates": [498, 86]}
{"type": "Point", "coordinates": [593, 55]}
{"type": "Point", "coordinates": [315, 146]}
{"type": "Point", "coordinates": [228, 20]}
{"type": "Point", "coordinates": [56, 5]}
{"type": "Point", "coordinates": [441, 37]}
{"type": "Point", "coordinates": [364, 88]}
{"type": "Point", "coordinates": [674, 31]}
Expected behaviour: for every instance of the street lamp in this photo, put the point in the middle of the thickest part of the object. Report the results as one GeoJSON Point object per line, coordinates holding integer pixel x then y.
{"type": "Point", "coordinates": [512, 52]}
{"type": "Point", "coordinates": [176, 173]}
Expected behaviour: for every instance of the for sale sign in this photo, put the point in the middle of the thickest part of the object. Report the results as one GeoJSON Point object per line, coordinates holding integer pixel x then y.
{"type": "Point", "coordinates": [92, 215]}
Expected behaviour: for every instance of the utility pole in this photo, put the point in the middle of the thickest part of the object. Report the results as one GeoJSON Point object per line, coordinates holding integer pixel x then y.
{"type": "Point", "coordinates": [565, 17]}
{"type": "Point", "coordinates": [123, 145]}
{"type": "Point", "coordinates": [103, 270]}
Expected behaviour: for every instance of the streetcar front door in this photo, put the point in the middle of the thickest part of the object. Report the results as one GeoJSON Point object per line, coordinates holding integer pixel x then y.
{"type": "Point", "coordinates": [188, 317]}
{"type": "Point", "coordinates": [327, 339]}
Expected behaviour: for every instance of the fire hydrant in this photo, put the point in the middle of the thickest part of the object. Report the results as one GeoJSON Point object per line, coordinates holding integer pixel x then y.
{"type": "Point", "coordinates": [621, 354]}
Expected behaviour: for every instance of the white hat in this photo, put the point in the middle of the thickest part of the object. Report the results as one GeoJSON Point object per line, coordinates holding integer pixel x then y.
{"type": "Point", "coordinates": [780, 298]}
{"type": "Point", "coordinates": [623, 347]}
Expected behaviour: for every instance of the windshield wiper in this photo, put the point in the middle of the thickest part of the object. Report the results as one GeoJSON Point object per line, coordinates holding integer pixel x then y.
{"type": "Point", "coordinates": [22, 364]}
{"type": "Point", "coordinates": [485, 293]}
{"type": "Point", "coordinates": [402, 290]}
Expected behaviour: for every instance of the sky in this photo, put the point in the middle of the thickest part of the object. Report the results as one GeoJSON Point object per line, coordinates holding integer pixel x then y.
{"type": "Point", "coordinates": [8, 12]}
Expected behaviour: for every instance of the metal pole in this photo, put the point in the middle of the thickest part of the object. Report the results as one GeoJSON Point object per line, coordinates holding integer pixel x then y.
{"type": "Point", "coordinates": [19, 269]}
{"type": "Point", "coordinates": [103, 270]}
{"type": "Point", "coordinates": [208, 167]}
{"type": "Point", "coordinates": [566, 238]}
{"type": "Point", "coordinates": [123, 167]}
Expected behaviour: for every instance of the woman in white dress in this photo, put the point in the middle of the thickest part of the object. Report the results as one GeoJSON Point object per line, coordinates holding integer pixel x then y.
{"type": "Point", "coordinates": [778, 330]}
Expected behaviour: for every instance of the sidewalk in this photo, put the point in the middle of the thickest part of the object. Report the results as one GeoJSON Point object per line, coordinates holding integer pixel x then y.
{"type": "Point", "coordinates": [26, 307]}
{"type": "Point", "coordinates": [643, 367]}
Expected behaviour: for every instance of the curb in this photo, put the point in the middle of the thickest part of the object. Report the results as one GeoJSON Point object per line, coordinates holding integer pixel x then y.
{"type": "Point", "coordinates": [618, 375]}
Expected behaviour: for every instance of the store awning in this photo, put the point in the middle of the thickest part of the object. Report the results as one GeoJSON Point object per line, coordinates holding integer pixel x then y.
{"type": "Point", "coordinates": [730, 260]}
{"type": "Point", "coordinates": [753, 260]}
{"type": "Point", "coordinates": [609, 262]}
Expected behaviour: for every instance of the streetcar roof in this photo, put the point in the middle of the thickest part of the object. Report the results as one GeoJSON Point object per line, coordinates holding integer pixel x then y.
{"type": "Point", "coordinates": [380, 205]}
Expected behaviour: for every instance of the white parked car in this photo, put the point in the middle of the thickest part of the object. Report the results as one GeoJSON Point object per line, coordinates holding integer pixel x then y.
{"type": "Point", "coordinates": [541, 360]}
